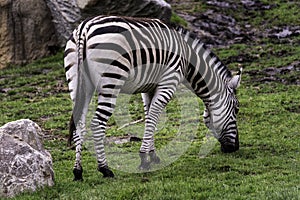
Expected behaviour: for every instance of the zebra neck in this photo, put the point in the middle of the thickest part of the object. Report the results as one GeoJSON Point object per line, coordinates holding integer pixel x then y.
{"type": "Point", "coordinates": [207, 76]}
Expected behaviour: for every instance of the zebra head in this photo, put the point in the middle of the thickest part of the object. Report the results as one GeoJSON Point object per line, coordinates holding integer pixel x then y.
{"type": "Point", "coordinates": [221, 117]}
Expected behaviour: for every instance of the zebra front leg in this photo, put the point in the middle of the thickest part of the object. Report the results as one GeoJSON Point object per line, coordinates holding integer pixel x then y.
{"type": "Point", "coordinates": [148, 156]}
{"type": "Point", "coordinates": [147, 159]}
{"type": "Point", "coordinates": [162, 96]}
{"type": "Point", "coordinates": [147, 98]}
{"type": "Point", "coordinates": [153, 157]}
{"type": "Point", "coordinates": [145, 162]}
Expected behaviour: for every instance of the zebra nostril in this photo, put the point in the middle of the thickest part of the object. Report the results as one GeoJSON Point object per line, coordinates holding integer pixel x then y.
{"type": "Point", "coordinates": [227, 147]}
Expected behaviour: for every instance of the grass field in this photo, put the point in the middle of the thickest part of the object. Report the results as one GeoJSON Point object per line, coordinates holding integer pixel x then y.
{"type": "Point", "coordinates": [266, 166]}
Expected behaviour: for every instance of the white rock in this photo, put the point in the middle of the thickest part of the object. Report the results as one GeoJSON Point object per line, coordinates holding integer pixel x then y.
{"type": "Point", "coordinates": [24, 163]}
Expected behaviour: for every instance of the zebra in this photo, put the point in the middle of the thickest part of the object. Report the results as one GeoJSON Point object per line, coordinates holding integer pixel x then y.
{"type": "Point", "coordinates": [112, 55]}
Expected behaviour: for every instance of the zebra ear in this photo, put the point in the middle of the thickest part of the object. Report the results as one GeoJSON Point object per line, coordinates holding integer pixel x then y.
{"type": "Point", "coordinates": [235, 81]}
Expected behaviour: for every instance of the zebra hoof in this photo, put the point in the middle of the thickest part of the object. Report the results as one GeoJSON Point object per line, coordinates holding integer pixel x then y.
{"type": "Point", "coordinates": [154, 158]}
{"type": "Point", "coordinates": [144, 166]}
{"type": "Point", "coordinates": [107, 173]}
{"type": "Point", "coordinates": [145, 163]}
{"type": "Point", "coordinates": [77, 174]}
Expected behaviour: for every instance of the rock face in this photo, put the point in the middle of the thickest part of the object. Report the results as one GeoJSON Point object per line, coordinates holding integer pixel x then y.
{"type": "Point", "coordinates": [24, 163]}
{"type": "Point", "coordinates": [32, 29]}
{"type": "Point", "coordinates": [68, 13]}
{"type": "Point", "coordinates": [135, 8]}
{"type": "Point", "coordinates": [26, 31]}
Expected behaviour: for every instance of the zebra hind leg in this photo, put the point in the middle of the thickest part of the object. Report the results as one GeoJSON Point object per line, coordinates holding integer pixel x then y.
{"type": "Point", "coordinates": [98, 129]}
{"type": "Point", "coordinates": [103, 112]}
{"type": "Point", "coordinates": [78, 139]}
{"type": "Point", "coordinates": [77, 170]}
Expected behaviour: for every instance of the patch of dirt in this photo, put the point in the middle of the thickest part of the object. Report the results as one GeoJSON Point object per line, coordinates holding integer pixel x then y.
{"type": "Point", "coordinates": [241, 58]}
{"type": "Point", "coordinates": [122, 139]}
{"type": "Point", "coordinates": [285, 32]}
{"type": "Point", "coordinates": [216, 27]}
{"type": "Point", "coordinates": [287, 74]}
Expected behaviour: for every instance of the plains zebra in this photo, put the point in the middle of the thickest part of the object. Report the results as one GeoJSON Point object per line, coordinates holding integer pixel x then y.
{"type": "Point", "coordinates": [110, 54]}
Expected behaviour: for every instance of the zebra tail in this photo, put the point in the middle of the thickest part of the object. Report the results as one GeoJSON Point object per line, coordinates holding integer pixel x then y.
{"type": "Point", "coordinates": [75, 74]}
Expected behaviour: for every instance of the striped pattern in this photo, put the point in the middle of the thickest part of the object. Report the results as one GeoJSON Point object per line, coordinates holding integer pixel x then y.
{"type": "Point", "coordinates": [112, 55]}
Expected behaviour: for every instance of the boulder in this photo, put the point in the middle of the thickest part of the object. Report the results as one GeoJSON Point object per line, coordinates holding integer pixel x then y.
{"type": "Point", "coordinates": [67, 14]}
{"type": "Point", "coordinates": [26, 31]}
{"type": "Point", "coordinates": [24, 163]}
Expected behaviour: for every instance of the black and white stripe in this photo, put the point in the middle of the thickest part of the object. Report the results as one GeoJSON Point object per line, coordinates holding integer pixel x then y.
{"type": "Point", "coordinates": [112, 55]}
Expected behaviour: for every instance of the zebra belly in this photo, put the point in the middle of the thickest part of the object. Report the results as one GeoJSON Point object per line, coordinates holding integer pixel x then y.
{"type": "Point", "coordinates": [142, 79]}
{"type": "Point", "coordinates": [131, 88]}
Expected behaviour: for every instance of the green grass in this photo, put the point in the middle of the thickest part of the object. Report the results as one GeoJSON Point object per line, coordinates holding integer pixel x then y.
{"type": "Point", "coordinates": [266, 166]}
{"type": "Point", "coordinates": [283, 13]}
{"type": "Point", "coordinates": [176, 19]}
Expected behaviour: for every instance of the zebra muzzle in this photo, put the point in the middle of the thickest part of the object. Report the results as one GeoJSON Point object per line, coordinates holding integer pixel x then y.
{"type": "Point", "coordinates": [229, 146]}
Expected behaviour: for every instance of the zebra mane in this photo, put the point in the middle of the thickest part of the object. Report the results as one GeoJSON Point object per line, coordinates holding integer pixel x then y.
{"type": "Point", "coordinates": [195, 42]}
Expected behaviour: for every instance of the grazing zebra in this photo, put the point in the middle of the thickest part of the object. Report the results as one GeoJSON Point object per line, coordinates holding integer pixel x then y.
{"type": "Point", "coordinates": [112, 55]}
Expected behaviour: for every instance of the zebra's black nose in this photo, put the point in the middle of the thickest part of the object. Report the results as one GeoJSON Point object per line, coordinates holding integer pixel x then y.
{"type": "Point", "coordinates": [229, 146]}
